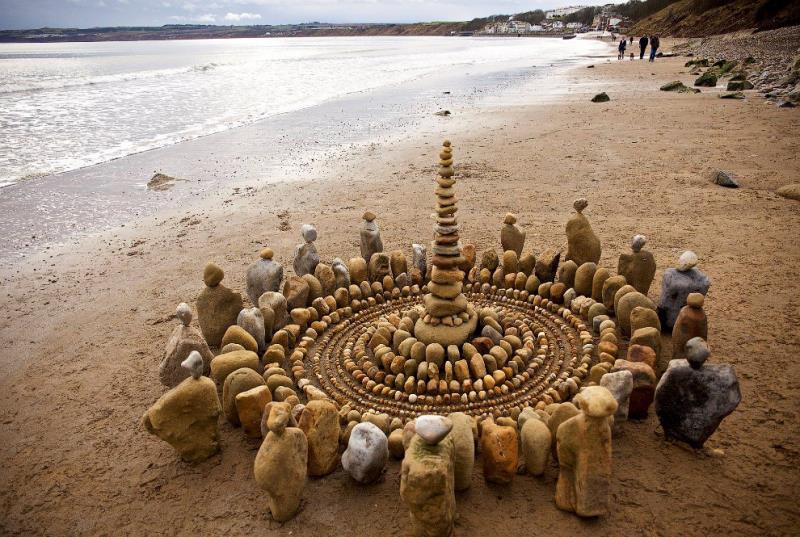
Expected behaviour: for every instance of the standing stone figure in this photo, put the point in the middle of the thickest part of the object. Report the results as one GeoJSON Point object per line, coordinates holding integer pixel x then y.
{"type": "Point", "coordinates": [427, 483]}
{"type": "Point", "coordinates": [582, 244]}
{"type": "Point", "coordinates": [217, 306]}
{"type": "Point", "coordinates": [692, 397]}
{"type": "Point", "coordinates": [419, 259]}
{"type": "Point", "coordinates": [186, 417]}
{"type": "Point", "coordinates": [676, 285]}
{"type": "Point", "coordinates": [280, 465]}
{"type": "Point", "coordinates": [306, 257]}
{"type": "Point", "coordinates": [584, 454]}
{"type": "Point", "coordinates": [181, 343]}
{"type": "Point", "coordinates": [638, 267]}
{"type": "Point", "coordinates": [512, 237]}
{"type": "Point", "coordinates": [371, 242]}
{"type": "Point", "coordinates": [691, 323]}
{"type": "Point", "coordinates": [341, 273]}
{"type": "Point", "coordinates": [263, 275]}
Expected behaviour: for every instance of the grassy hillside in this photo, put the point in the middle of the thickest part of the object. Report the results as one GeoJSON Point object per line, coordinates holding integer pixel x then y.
{"type": "Point", "coordinates": [700, 18]}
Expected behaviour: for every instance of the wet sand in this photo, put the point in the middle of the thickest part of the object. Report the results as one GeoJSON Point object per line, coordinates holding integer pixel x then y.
{"type": "Point", "coordinates": [86, 323]}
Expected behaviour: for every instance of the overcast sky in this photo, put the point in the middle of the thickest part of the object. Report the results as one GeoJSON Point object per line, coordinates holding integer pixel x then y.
{"type": "Point", "coordinates": [87, 13]}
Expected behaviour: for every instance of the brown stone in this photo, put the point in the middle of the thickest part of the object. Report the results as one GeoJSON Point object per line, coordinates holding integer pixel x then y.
{"type": "Point", "coordinates": [500, 452]}
{"type": "Point", "coordinates": [610, 288]}
{"type": "Point", "coordinates": [320, 423]}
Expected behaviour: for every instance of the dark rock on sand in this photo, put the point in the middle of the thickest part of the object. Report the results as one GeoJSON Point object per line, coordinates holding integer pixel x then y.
{"type": "Point", "coordinates": [725, 179]}
{"type": "Point", "coordinates": [707, 79]}
{"type": "Point", "coordinates": [679, 87]}
{"type": "Point", "coordinates": [734, 95]}
{"type": "Point", "coordinates": [601, 98]}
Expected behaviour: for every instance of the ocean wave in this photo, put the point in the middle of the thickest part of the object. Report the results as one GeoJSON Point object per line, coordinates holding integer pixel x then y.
{"type": "Point", "coordinates": [60, 83]}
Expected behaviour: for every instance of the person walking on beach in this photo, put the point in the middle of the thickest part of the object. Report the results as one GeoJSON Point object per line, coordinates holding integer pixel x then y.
{"type": "Point", "coordinates": [631, 40]}
{"type": "Point", "coordinates": [622, 44]}
{"type": "Point", "coordinates": [642, 46]}
{"type": "Point", "coordinates": [653, 47]}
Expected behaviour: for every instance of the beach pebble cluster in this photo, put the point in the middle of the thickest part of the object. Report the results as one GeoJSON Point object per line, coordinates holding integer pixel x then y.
{"type": "Point", "coordinates": [521, 359]}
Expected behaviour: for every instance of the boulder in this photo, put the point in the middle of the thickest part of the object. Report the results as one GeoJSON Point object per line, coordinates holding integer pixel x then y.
{"type": "Point", "coordinates": [237, 382]}
{"type": "Point", "coordinates": [601, 98]}
{"type": "Point", "coordinates": [512, 237]}
{"type": "Point", "coordinates": [464, 448]}
{"type": "Point", "coordinates": [582, 244]}
{"type": "Point", "coordinates": [320, 423]}
{"type": "Point", "coordinates": [238, 335]}
{"type": "Point", "coordinates": [644, 384]}
{"type": "Point", "coordinates": [263, 276]}
{"type": "Point", "coordinates": [251, 320]}
{"type": "Point", "coordinates": [626, 304]}
{"type": "Point", "coordinates": [366, 454]}
{"type": "Point", "coordinates": [535, 442]}
{"type": "Point", "coordinates": [183, 340]}
{"type": "Point", "coordinates": [225, 364]}
{"type": "Point", "coordinates": [250, 408]}
{"type": "Point", "coordinates": [217, 306]}
{"type": "Point", "coordinates": [620, 384]}
{"type": "Point", "coordinates": [296, 290]}
{"type": "Point", "coordinates": [584, 277]}
{"type": "Point", "coordinates": [676, 285]}
{"type": "Point", "coordinates": [500, 452]}
{"type": "Point", "coordinates": [306, 257]}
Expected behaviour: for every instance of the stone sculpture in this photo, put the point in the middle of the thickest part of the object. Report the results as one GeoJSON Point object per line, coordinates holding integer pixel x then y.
{"type": "Point", "coordinates": [692, 397]}
{"type": "Point", "coordinates": [186, 417]}
{"type": "Point", "coordinates": [676, 285]}
{"type": "Point", "coordinates": [427, 484]}
{"type": "Point", "coordinates": [237, 382]}
{"type": "Point", "coordinates": [183, 340]}
{"type": "Point", "coordinates": [263, 275]}
{"type": "Point", "coordinates": [280, 465]}
{"type": "Point", "coordinates": [449, 319]}
{"type": "Point", "coordinates": [251, 320]}
{"type": "Point", "coordinates": [366, 454]}
{"type": "Point", "coordinates": [341, 273]}
{"type": "Point", "coordinates": [584, 454]}
{"type": "Point", "coordinates": [320, 423]}
{"type": "Point", "coordinates": [371, 242]}
{"type": "Point", "coordinates": [217, 306]}
{"type": "Point", "coordinates": [512, 237]}
{"type": "Point", "coordinates": [638, 267]}
{"type": "Point", "coordinates": [306, 257]}
{"type": "Point", "coordinates": [582, 244]}
{"type": "Point", "coordinates": [691, 323]}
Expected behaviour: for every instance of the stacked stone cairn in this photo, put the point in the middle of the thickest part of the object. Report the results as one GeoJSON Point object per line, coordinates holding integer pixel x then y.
{"type": "Point", "coordinates": [352, 363]}
{"type": "Point", "coordinates": [449, 319]}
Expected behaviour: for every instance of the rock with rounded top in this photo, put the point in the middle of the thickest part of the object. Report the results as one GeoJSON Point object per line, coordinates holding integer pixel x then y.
{"type": "Point", "coordinates": [535, 442]}
{"type": "Point", "coordinates": [359, 272]}
{"type": "Point", "coordinates": [264, 275]}
{"type": "Point", "coordinates": [186, 417]}
{"type": "Point", "coordinates": [464, 445]}
{"type": "Point", "coordinates": [527, 263]}
{"type": "Point", "coordinates": [688, 260]}
{"type": "Point", "coordinates": [315, 290]}
{"type": "Point", "coordinates": [306, 256]}
{"type": "Point", "coordinates": [398, 262]}
{"type": "Point", "coordinates": [644, 384]}
{"type": "Point", "coordinates": [692, 397]}
{"type": "Point", "coordinates": [213, 274]}
{"type": "Point", "coordinates": [566, 273]}
{"type": "Point", "coordinates": [584, 455]}
{"type": "Point", "coordinates": [500, 452]}
{"type": "Point", "coordinates": [237, 382]}
{"type": "Point", "coordinates": [510, 262]}
{"type": "Point", "coordinates": [625, 306]}
{"type": "Point", "coordinates": [273, 308]}
{"type": "Point", "coordinates": [366, 454]}
{"type": "Point", "coordinates": [320, 423]}
{"type": "Point", "coordinates": [217, 307]}
{"type": "Point", "coordinates": [638, 267]}
{"type": "Point", "coordinates": [280, 466]}
{"type": "Point", "coordinates": [379, 267]}
{"type": "Point", "coordinates": [370, 236]}
{"type": "Point", "coordinates": [489, 260]}
{"type": "Point", "coordinates": [181, 343]}
{"type": "Point", "coordinates": [642, 317]}
{"type": "Point", "coordinates": [225, 364]}
{"type": "Point", "coordinates": [419, 258]}
{"type": "Point", "coordinates": [610, 288]}
{"type": "Point", "coordinates": [251, 320]}
{"type": "Point", "coordinates": [584, 277]}
{"type": "Point", "coordinates": [676, 285]}
{"type": "Point", "coordinates": [327, 278]}
{"type": "Point", "coordinates": [341, 274]}
{"type": "Point", "coordinates": [582, 244]}
{"type": "Point", "coordinates": [433, 428]}
{"type": "Point", "coordinates": [561, 413]}
{"type": "Point", "coordinates": [237, 334]}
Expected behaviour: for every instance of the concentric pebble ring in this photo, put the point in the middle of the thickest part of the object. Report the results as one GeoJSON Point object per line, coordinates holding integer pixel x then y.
{"type": "Point", "coordinates": [550, 365]}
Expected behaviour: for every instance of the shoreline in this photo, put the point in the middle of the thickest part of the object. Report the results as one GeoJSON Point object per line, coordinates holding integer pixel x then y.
{"type": "Point", "coordinates": [306, 141]}
{"type": "Point", "coordinates": [86, 326]}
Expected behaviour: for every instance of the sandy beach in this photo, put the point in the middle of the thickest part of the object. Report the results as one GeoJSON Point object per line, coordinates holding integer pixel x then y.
{"type": "Point", "coordinates": [86, 322]}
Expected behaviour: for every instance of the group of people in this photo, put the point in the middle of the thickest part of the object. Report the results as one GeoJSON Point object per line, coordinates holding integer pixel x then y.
{"type": "Point", "coordinates": [645, 40]}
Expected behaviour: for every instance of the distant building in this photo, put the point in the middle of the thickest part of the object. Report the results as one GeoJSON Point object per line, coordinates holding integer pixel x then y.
{"type": "Point", "coordinates": [562, 11]}
{"type": "Point", "coordinates": [558, 25]}
{"type": "Point", "coordinates": [574, 25]}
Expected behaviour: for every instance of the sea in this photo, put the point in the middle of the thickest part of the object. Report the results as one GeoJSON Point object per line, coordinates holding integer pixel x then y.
{"type": "Point", "coordinates": [66, 106]}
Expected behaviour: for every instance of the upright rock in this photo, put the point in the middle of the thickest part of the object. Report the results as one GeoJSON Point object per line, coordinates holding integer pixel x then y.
{"type": "Point", "coordinates": [371, 242]}
{"type": "Point", "coordinates": [306, 257]}
{"type": "Point", "coordinates": [500, 452]}
{"type": "Point", "coordinates": [691, 323]}
{"type": "Point", "coordinates": [464, 446]}
{"type": "Point", "coordinates": [366, 454]}
{"type": "Point", "coordinates": [512, 237]}
{"type": "Point", "coordinates": [280, 465]}
{"type": "Point", "coordinates": [676, 285]}
{"type": "Point", "coordinates": [638, 267]}
{"type": "Point", "coordinates": [320, 423]}
{"type": "Point", "coordinates": [535, 440]}
{"type": "Point", "coordinates": [584, 455]}
{"type": "Point", "coordinates": [419, 258]}
{"type": "Point", "coordinates": [449, 319]}
{"type": "Point", "coordinates": [274, 311]}
{"type": "Point", "coordinates": [186, 417]}
{"type": "Point", "coordinates": [252, 321]}
{"type": "Point", "coordinates": [427, 484]}
{"type": "Point", "coordinates": [692, 397]}
{"type": "Point", "coordinates": [183, 340]}
{"type": "Point", "coordinates": [620, 384]}
{"type": "Point", "coordinates": [341, 273]}
{"type": "Point", "coordinates": [263, 275]}
{"type": "Point", "coordinates": [237, 382]}
{"type": "Point", "coordinates": [582, 244]}
{"type": "Point", "coordinates": [217, 306]}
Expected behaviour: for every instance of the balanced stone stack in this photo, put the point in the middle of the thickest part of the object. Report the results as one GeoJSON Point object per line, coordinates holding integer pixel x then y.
{"type": "Point", "coordinates": [449, 319]}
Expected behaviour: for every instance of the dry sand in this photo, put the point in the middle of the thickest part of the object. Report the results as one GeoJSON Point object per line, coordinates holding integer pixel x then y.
{"type": "Point", "coordinates": [85, 326]}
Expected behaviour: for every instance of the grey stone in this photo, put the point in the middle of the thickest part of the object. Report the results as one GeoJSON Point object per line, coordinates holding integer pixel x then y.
{"type": "Point", "coordinates": [433, 428]}
{"type": "Point", "coordinates": [366, 454]}
{"type": "Point", "coordinates": [725, 179]}
{"type": "Point", "coordinates": [675, 288]}
{"type": "Point", "coordinates": [262, 276]}
{"type": "Point", "coordinates": [252, 320]}
{"type": "Point", "coordinates": [692, 398]}
{"type": "Point", "coordinates": [277, 303]}
{"type": "Point", "coordinates": [620, 384]}
{"type": "Point", "coordinates": [419, 258]}
{"type": "Point", "coordinates": [341, 273]}
{"type": "Point", "coordinates": [183, 342]}
{"type": "Point", "coordinates": [371, 242]}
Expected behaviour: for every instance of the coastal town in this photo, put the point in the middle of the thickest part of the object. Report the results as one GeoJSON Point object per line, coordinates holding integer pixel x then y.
{"type": "Point", "coordinates": [572, 19]}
